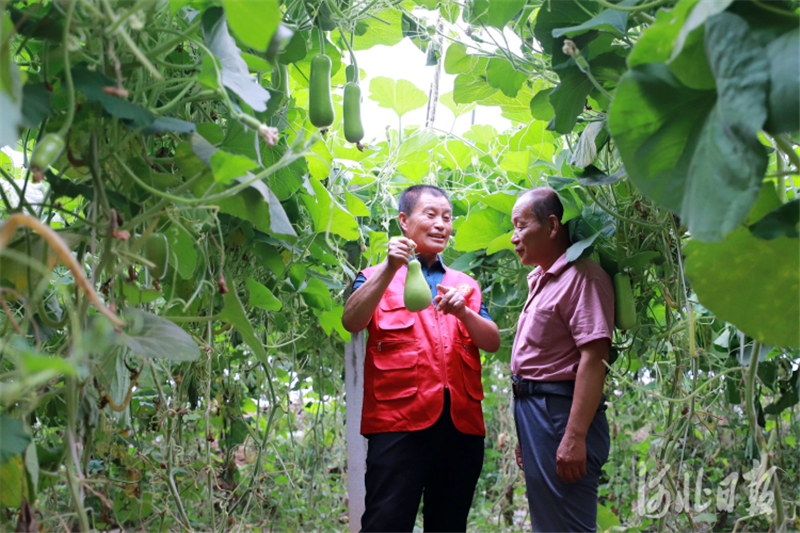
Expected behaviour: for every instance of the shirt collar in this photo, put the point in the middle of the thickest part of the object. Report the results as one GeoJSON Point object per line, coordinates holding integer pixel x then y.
{"type": "Point", "coordinates": [438, 264]}
{"type": "Point", "coordinates": [555, 269]}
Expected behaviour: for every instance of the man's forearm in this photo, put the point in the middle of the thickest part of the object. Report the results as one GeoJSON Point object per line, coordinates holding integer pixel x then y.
{"type": "Point", "coordinates": [588, 388]}
{"type": "Point", "coordinates": [362, 303]}
{"type": "Point", "coordinates": [484, 333]}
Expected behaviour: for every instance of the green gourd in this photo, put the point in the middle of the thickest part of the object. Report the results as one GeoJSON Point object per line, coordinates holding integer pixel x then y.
{"type": "Point", "coordinates": [417, 293]}
{"type": "Point", "coordinates": [156, 250]}
{"type": "Point", "coordinates": [47, 151]}
{"type": "Point", "coordinates": [280, 79]}
{"type": "Point", "coordinates": [625, 306]}
{"type": "Point", "coordinates": [353, 130]}
{"type": "Point", "coordinates": [320, 105]}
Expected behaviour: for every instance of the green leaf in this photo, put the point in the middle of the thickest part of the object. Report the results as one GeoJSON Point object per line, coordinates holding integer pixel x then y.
{"type": "Point", "coordinates": [585, 150]}
{"type": "Point", "coordinates": [685, 151]}
{"type": "Point", "coordinates": [136, 295]}
{"type": "Point", "coordinates": [262, 297]}
{"type": "Point", "coordinates": [92, 82]}
{"type": "Point", "coordinates": [502, 201]}
{"type": "Point", "coordinates": [454, 154]}
{"type": "Point", "coordinates": [516, 161]}
{"type": "Point", "coordinates": [500, 74]}
{"type": "Point", "coordinates": [479, 230]}
{"type": "Point", "coordinates": [503, 242]}
{"type": "Point", "coordinates": [182, 254]}
{"type": "Point", "coordinates": [702, 10]}
{"type": "Point", "coordinates": [605, 518]}
{"type": "Point", "coordinates": [165, 124]}
{"type": "Point", "coordinates": [784, 73]}
{"type": "Point", "coordinates": [401, 96]}
{"type": "Point", "coordinates": [457, 109]}
{"type": "Point", "coordinates": [767, 201]}
{"type": "Point", "coordinates": [457, 61]}
{"type": "Point", "coordinates": [555, 15]}
{"type": "Point", "coordinates": [235, 74]}
{"type": "Point", "coordinates": [11, 96]}
{"type": "Point", "coordinates": [468, 88]}
{"type": "Point", "coordinates": [380, 33]}
{"type": "Point", "coordinates": [495, 14]}
{"type": "Point", "coordinates": [782, 222]}
{"type": "Point", "coordinates": [316, 295]}
{"type": "Point", "coordinates": [355, 205]}
{"type": "Point", "coordinates": [328, 215]}
{"type": "Point", "coordinates": [613, 21]}
{"type": "Point", "coordinates": [577, 248]}
{"type": "Point", "coordinates": [787, 400]}
{"type": "Point", "coordinates": [227, 166]}
{"type": "Point", "coordinates": [233, 313]}
{"type": "Point", "coordinates": [766, 278]}
{"type": "Point", "coordinates": [11, 480]}
{"type": "Point", "coordinates": [13, 437]}
{"type": "Point", "coordinates": [36, 104]}
{"type": "Point", "coordinates": [541, 108]}
{"type": "Point", "coordinates": [483, 135]}
{"type": "Point", "coordinates": [255, 63]}
{"type": "Point", "coordinates": [296, 50]}
{"type": "Point", "coordinates": [330, 320]}
{"type": "Point", "coordinates": [150, 335]}
{"type": "Point", "coordinates": [690, 66]}
{"type": "Point", "coordinates": [253, 21]}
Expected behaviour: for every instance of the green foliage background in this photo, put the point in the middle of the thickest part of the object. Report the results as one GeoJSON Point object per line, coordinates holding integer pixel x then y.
{"type": "Point", "coordinates": [668, 128]}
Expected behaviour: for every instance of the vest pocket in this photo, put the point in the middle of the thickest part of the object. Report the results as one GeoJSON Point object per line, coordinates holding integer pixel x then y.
{"type": "Point", "coordinates": [393, 315]}
{"type": "Point", "coordinates": [471, 366]}
{"type": "Point", "coordinates": [395, 370]}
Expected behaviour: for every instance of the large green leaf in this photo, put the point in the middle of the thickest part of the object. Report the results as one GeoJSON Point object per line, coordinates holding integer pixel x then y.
{"type": "Point", "coordinates": [500, 74]}
{"type": "Point", "coordinates": [379, 32]}
{"type": "Point", "coordinates": [262, 297]}
{"type": "Point", "coordinates": [150, 335]}
{"type": "Point", "coordinates": [37, 104]}
{"type": "Point", "coordinates": [613, 21]}
{"type": "Point", "coordinates": [233, 314]}
{"type": "Point", "coordinates": [227, 166]}
{"type": "Point", "coordinates": [472, 87]}
{"type": "Point", "coordinates": [446, 100]}
{"type": "Point", "coordinates": [11, 481]}
{"type": "Point", "coordinates": [13, 437]}
{"type": "Point", "coordinates": [235, 74]}
{"type": "Point", "coordinates": [317, 295]}
{"type": "Point", "coordinates": [555, 15]}
{"type": "Point", "coordinates": [328, 215]}
{"type": "Point", "coordinates": [401, 96]}
{"type": "Point", "coordinates": [457, 61]}
{"type": "Point", "coordinates": [253, 21]}
{"type": "Point", "coordinates": [688, 150]}
{"type": "Point", "coordinates": [493, 13]}
{"type": "Point", "coordinates": [332, 320]}
{"type": "Point", "coordinates": [183, 256]}
{"type": "Point", "coordinates": [751, 283]}
{"type": "Point", "coordinates": [479, 230]}
{"type": "Point", "coordinates": [784, 74]}
{"type": "Point", "coordinates": [780, 222]}
{"type": "Point", "coordinates": [92, 82]}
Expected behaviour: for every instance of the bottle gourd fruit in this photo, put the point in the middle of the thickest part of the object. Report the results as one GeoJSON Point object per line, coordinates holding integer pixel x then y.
{"type": "Point", "coordinates": [156, 250]}
{"type": "Point", "coordinates": [353, 130]}
{"type": "Point", "coordinates": [417, 293]}
{"type": "Point", "coordinates": [625, 306]}
{"type": "Point", "coordinates": [320, 105]}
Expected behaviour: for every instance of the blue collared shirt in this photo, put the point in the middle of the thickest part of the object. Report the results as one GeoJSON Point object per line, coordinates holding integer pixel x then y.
{"type": "Point", "coordinates": [434, 275]}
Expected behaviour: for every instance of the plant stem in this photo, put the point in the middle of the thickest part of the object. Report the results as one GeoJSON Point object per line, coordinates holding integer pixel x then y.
{"type": "Point", "coordinates": [633, 9]}
{"type": "Point", "coordinates": [68, 72]}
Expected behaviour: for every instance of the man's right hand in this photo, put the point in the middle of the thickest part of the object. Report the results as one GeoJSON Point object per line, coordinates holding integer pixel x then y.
{"type": "Point", "coordinates": [399, 250]}
{"type": "Point", "coordinates": [518, 456]}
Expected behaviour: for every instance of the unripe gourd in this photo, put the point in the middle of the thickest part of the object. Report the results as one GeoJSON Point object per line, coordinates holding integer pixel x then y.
{"type": "Point", "coordinates": [353, 130]}
{"type": "Point", "coordinates": [624, 306]}
{"type": "Point", "coordinates": [417, 293]}
{"type": "Point", "coordinates": [320, 105]}
{"type": "Point", "coordinates": [156, 250]}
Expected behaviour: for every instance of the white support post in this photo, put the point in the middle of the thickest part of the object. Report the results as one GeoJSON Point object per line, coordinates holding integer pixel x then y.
{"type": "Point", "coordinates": [354, 353]}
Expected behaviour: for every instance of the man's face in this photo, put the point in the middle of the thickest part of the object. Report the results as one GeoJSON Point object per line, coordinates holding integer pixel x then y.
{"type": "Point", "coordinates": [531, 239]}
{"type": "Point", "coordinates": [430, 224]}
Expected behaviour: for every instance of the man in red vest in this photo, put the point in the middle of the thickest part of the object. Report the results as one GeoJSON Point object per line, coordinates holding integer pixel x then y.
{"type": "Point", "coordinates": [422, 377]}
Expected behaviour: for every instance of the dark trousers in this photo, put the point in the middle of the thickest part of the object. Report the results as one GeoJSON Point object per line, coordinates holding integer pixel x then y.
{"type": "Point", "coordinates": [439, 465]}
{"type": "Point", "coordinates": [541, 420]}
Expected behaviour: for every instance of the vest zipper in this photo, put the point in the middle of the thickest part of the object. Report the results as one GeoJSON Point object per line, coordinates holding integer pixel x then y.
{"type": "Point", "coordinates": [441, 343]}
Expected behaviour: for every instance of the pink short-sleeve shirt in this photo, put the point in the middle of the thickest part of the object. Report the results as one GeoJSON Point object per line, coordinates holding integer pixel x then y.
{"type": "Point", "coordinates": [568, 306]}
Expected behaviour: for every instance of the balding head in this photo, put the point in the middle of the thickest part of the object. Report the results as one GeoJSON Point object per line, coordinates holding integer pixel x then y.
{"type": "Point", "coordinates": [543, 202]}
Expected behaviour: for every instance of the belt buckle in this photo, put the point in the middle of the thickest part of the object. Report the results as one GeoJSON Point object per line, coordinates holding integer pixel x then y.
{"type": "Point", "coordinates": [515, 388]}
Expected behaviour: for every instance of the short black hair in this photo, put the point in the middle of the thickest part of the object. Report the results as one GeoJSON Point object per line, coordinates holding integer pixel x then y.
{"type": "Point", "coordinates": [545, 202]}
{"type": "Point", "coordinates": [410, 197]}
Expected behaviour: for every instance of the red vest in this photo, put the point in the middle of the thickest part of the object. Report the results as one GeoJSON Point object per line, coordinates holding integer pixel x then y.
{"type": "Point", "coordinates": [411, 357]}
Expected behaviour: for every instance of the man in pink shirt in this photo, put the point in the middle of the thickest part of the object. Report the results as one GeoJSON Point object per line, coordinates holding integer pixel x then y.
{"type": "Point", "coordinates": [558, 364]}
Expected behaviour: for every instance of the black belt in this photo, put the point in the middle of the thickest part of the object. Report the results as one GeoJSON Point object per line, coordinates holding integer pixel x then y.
{"type": "Point", "coordinates": [527, 387]}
